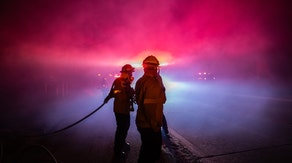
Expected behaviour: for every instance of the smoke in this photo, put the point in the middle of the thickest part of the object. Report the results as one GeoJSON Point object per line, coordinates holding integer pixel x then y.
{"type": "Point", "coordinates": [50, 31]}
{"type": "Point", "coordinates": [50, 46]}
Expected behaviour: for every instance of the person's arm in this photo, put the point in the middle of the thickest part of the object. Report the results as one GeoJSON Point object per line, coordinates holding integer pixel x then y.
{"type": "Point", "coordinates": [110, 94]}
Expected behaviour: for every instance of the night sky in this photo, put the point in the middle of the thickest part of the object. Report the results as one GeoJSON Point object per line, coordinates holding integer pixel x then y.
{"type": "Point", "coordinates": [230, 38]}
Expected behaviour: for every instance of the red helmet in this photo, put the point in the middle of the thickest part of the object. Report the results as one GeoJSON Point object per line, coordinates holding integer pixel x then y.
{"type": "Point", "coordinates": [128, 68]}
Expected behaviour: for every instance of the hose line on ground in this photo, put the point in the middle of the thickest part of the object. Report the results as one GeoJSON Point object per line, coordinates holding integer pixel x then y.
{"type": "Point", "coordinates": [26, 148]}
{"type": "Point", "coordinates": [67, 127]}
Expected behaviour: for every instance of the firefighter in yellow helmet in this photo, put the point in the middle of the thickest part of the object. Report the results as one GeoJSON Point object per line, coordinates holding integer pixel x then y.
{"type": "Point", "coordinates": [123, 95]}
{"type": "Point", "coordinates": [150, 98]}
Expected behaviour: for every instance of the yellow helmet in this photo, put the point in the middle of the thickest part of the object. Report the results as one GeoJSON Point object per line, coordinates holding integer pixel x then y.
{"type": "Point", "coordinates": [150, 61]}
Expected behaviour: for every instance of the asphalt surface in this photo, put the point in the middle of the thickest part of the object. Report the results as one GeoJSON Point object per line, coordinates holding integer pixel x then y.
{"type": "Point", "coordinates": [92, 140]}
{"type": "Point", "coordinates": [65, 148]}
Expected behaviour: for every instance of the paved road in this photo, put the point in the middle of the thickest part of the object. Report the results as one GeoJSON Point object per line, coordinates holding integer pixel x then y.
{"type": "Point", "coordinates": [233, 123]}
{"type": "Point", "coordinates": [208, 123]}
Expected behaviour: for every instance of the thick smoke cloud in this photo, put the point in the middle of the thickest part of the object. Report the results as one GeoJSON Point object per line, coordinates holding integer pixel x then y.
{"type": "Point", "coordinates": [54, 53]}
{"type": "Point", "coordinates": [237, 39]}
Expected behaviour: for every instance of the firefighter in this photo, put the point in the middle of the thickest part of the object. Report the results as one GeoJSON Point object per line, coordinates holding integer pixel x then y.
{"type": "Point", "coordinates": [150, 98]}
{"type": "Point", "coordinates": [123, 95]}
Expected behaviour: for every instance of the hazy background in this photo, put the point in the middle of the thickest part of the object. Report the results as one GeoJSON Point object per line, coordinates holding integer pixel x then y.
{"type": "Point", "coordinates": [53, 49]}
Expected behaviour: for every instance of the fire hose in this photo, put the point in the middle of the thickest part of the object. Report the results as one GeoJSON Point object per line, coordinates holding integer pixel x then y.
{"type": "Point", "coordinates": [67, 127]}
{"type": "Point", "coordinates": [41, 147]}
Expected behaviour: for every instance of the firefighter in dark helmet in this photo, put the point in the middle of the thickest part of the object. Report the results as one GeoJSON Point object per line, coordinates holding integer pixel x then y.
{"type": "Point", "coordinates": [150, 98]}
{"type": "Point", "coordinates": [123, 95]}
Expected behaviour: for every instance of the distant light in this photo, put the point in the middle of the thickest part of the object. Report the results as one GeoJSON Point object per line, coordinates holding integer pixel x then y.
{"type": "Point", "coordinates": [164, 64]}
{"type": "Point", "coordinates": [137, 65]}
{"type": "Point", "coordinates": [205, 76]}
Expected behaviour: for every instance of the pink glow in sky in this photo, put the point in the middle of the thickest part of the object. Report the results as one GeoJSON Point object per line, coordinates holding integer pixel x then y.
{"type": "Point", "coordinates": [250, 36]}
{"type": "Point", "coordinates": [52, 50]}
